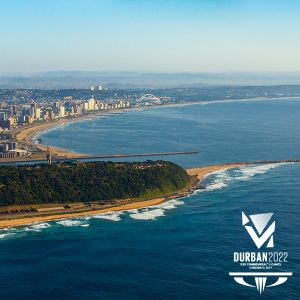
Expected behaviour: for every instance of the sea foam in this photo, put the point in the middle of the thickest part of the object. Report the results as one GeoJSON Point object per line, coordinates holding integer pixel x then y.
{"type": "Point", "coordinates": [3, 235]}
{"type": "Point", "coordinates": [70, 222]}
{"type": "Point", "coordinates": [246, 172]}
{"type": "Point", "coordinates": [216, 186]}
{"type": "Point", "coordinates": [40, 226]}
{"type": "Point", "coordinates": [148, 214]}
{"type": "Point", "coordinates": [85, 225]}
{"type": "Point", "coordinates": [170, 204]}
{"type": "Point", "coordinates": [112, 216]}
{"type": "Point", "coordinates": [223, 178]}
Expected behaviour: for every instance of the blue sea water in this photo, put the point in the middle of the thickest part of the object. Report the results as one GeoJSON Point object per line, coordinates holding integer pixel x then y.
{"type": "Point", "coordinates": [221, 132]}
{"type": "Point", "coordinates": [181, 249]}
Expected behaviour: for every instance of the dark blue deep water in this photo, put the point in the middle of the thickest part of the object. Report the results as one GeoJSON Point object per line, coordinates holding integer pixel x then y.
{"type": "Point", "coordinates": [181, 249]}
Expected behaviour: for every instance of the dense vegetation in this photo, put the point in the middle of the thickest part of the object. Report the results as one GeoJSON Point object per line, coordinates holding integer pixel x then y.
{"type": "Point", "coordinates": [88, 181]}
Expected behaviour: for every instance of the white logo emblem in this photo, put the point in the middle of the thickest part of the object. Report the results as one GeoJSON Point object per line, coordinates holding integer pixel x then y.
{"type": "Point", "coordinates": [260, 222]}
{"type": "Point", "coordinates": [261, 230]}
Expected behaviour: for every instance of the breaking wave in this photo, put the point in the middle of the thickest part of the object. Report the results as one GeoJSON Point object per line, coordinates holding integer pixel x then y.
{"type": "Point", "coordinates": [3, 235]}
{"type": "Point", "coordinates": [70, 222]}
{"type": "Point", "coordinates": [37, 227]}
{"type": "Point", "coordinates": [221, 179]}
{"type": "Point", "coordinates": [148, 214]}
{"type": "Point", "coordinates": [112, 216]}
{"type": "Point", "coordinates": [215, 181]}
{"type": "Point", "coordinates": [171, 204]}
{"type": "Point", "coordinates": [246, 172]}
{"type": "Point", "coordinates": [154, 211]}
{"type": "Point", "coordinates": [85, 225]}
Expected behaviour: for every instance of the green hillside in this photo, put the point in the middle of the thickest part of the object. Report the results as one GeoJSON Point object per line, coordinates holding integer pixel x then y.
{"type": "Point", "coordinates": [88, 181]}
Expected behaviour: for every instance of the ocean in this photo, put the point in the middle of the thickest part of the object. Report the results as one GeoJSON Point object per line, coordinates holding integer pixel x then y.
{"type": "Point", "coordinates": [181, 249]}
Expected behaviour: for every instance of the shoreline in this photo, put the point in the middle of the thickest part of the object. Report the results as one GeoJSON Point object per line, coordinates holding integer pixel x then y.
{"type": "Point", "coordinates": [200, 173]}
{"type": "Point", "coordinates": [26, 135]}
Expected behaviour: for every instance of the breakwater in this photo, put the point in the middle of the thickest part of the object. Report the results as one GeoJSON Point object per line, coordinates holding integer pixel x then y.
{"type": "Point", "coordinates": [99, 156]}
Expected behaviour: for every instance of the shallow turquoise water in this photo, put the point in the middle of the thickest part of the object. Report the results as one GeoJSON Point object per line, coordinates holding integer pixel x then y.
{"type": "Point", "coordinates": [182, 248]}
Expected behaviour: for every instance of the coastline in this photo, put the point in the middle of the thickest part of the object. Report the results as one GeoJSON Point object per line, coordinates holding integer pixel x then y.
{"type": "Point", "coordinates": [200, 173]}
{"type": "Point", "coordinates": [26, 135]}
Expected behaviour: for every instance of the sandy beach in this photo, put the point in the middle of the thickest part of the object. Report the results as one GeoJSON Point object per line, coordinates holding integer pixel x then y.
{"type": "Point", "coordinates": [199, 172]}
{"type": "Point", "coordinates": [202, 172]}
{"type": "Point", "coordinates": [26, 135]}
{"type": "Point", "coordinates": [24, 221]}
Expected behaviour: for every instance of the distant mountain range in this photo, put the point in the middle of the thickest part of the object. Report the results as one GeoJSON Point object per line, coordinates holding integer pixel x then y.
{"type": "Point", "coordinates": [82, 79]}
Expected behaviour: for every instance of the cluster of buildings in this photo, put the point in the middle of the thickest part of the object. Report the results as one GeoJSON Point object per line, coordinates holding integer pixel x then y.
{"type": "Point", "coordinates": [98, 88]}
{"type": "Point", "coordinates": [23, 114]}
{"type": "Point", "coordinates": [10, 149]}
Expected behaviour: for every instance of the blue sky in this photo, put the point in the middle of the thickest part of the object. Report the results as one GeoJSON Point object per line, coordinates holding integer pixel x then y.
{"type": "Point", "coordinates": [150, 35]}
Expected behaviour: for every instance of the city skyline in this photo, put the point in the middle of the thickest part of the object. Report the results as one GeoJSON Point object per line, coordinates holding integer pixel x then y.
{"type": "Point", "coordinates": [146, 36]}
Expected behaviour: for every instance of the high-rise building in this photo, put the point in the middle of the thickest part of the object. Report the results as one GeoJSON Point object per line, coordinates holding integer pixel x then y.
{"type": "Point", "coordinates": [12, 145]}
{"type": "Point", "coordinates": [78, 109]}
{"type": "Point", "coordinates": [29, 119]}
{"type": "Point", "coordinates": [61, 111]}
{"type": "Point", "coordinates": [37, 115]}
{"type": "Point", "coordinates": [98, 88]}
{"type": "Point", "coordinates": [33, 105]}
{"type": "Point", "coordinates": [91, 104]}
{"type": "Point", "coordinates": [3, 116]}
{"type": "Point", "coordinates": [86, 106]}
{"type": "Point", "coordinates": [21, 119]}
{"type": "Point", "coordinates": [5, 147]}
{"type": "Point", "coordinates": [33, 108]}
{"type": "Point", "coordinates": [52, 115]}
{"type": "Point", "coordinates": [8, 123]}
{"type": "Point", "coordinates": [14, 110]}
